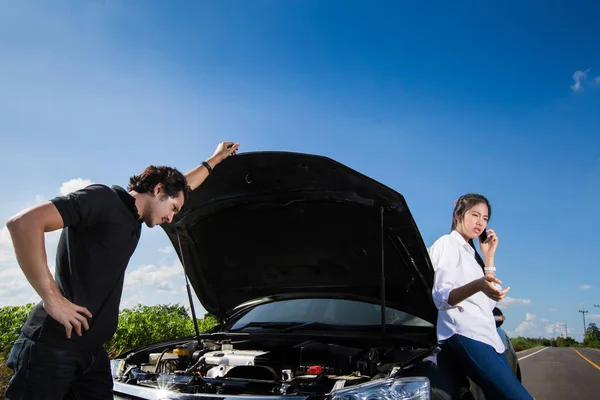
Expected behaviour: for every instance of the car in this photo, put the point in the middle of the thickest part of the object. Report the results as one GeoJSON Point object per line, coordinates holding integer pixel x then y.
{"type": "Point", "coordinates": [510, 351]}
{"type": "Point", "coordinates": [320, 281]}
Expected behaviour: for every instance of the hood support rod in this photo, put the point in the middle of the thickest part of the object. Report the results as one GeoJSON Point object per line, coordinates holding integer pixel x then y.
{"type": "Point", "coordinates": [383, 321]}
{"type": "Point", "coordinates": [187, 286]}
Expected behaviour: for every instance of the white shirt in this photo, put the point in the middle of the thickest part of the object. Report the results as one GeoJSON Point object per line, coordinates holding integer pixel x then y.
{"type": "Point", "coordinates": [455, 265]}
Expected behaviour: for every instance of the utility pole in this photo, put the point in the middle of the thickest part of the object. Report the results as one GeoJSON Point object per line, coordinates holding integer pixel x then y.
{"type": "Point", "coordinates": [583, 312]}
{"type": "Point", "coordinates": [563, 326]}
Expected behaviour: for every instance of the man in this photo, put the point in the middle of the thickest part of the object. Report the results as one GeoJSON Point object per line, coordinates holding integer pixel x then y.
{"type": "Point", "coordinates": [60, 353]}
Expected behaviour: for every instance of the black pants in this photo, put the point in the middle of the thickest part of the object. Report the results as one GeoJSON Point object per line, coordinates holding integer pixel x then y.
{"type": "Point", "coordinates": [42, 372]}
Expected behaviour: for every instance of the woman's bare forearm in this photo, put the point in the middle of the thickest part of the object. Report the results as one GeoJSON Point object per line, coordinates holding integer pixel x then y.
{"type": "Point", "coordinates": [464, 292]}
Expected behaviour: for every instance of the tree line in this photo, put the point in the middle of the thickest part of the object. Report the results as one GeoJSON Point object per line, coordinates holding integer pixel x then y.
{"type": "Point", "coordinates": [143, 325]}
{"type": "Point", "coordinates": [137, 326]}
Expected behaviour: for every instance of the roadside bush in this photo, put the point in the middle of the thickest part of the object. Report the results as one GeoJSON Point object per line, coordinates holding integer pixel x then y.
{"type": "Point", "coordinates": [595, 344]}
{"type": "Point", "coordinates": [11, 320]}
{"type": "Point", "coordinates": [137, 326]}
{"type": "Point", "coordinates": [567, 342]}
{"type": "Point", "coordinates": [147, 324]}
{"type": "Point", "coordinates": [521, 343]}
{"type": "Point", "coordinates": [592, 336]}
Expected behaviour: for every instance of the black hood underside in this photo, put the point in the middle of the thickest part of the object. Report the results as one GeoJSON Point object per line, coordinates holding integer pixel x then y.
{"type": "Point", "coordinates": [269, 225]}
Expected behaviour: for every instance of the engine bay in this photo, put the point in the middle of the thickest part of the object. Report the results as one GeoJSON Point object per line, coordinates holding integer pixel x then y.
{"type": "Point", "coordinates": [274, 367]}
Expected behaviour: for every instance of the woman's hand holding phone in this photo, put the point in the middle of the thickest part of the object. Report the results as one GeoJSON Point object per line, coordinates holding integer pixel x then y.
{"type": "Point", "coordinates": [489, 245]}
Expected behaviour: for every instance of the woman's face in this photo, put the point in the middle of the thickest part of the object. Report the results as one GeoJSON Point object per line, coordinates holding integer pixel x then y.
{"type": "Point", "coordinates": [474, 221]}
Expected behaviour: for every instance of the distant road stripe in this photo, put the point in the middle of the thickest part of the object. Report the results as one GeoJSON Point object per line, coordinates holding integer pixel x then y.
{"type": "Point", "coordinates": [581, 355]}
{"type": "Point", "coordinates": [532, 354]}
{"type": "Point", "coordinates": [525, 351]}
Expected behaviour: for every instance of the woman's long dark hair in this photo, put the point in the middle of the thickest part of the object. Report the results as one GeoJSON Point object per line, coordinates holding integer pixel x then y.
{"type": "Point", "coordinates": [461, 206]}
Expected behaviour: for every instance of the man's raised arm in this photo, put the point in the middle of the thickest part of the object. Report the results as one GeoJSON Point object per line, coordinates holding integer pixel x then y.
{"type": "Point", "coordinates": [196, 176]}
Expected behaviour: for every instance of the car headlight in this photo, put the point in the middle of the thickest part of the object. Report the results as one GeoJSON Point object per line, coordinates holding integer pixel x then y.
{"type": "Point", "coordinates": [117, 367]}
{"type": "Point", "coordinates": [413, 388]}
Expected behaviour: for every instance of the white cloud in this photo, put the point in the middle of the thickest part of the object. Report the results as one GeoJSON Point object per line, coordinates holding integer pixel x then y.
{"type": "Point", "coordinates": [132, 301]}
{"type": "Point", "coordinates": [553, 310]}
{"type": "Point", "coordinates": [593, 316]}
{"type": "Point", "coordinates": [511, 301]}
{"type": "Point", "coordinates": [584, 287]}
{"type": "Point", "coordinates": [7, 253]}
{"type": "Point", "coordinates": [163, 279]}
{"type": "Point", "coordinates": [166, 250]}
{"type": "Point", "coordinates": [17, 292]}
{"type": "Point", "coordinates": [597, 80]}
{"type": "Point", "coordinates": [534, 327]}
{"type": "Point", "coordinates": [14, 287]}
{"type": "Point", "coordinates": [73, 185]}
{"type": "Point", "coordinates": [558, 329]}
{"type": "Point", "coordinates": [525, 327]}
{"type": "Point", "coordinates": [578, 77]}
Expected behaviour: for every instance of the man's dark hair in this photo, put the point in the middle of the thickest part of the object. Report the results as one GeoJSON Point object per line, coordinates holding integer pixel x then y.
{"type": "Point", "coordinates": [172, 180]}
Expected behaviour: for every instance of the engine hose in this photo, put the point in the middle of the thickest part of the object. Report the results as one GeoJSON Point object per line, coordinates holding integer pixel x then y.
{"type": "Point", "coordinates": [159, 359]}
{"type": "Point", "coordinates": [194, 367]}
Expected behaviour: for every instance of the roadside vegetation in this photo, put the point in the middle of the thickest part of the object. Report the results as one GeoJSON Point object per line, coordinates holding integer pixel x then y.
{"type": "Point", "coordinates": [592, 339]}
{"type": "Point", "coordinates": [137, 326]}
{"type": "Point", "coordinates": [524, 343]}
{"type": "Point", "coordinates": [592, 336]}
{"type": "Point", "coordinates": [142, 325]}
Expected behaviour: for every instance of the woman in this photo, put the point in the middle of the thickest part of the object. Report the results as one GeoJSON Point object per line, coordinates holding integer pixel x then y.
{"type": "Point", "coordinates": [465, 291]}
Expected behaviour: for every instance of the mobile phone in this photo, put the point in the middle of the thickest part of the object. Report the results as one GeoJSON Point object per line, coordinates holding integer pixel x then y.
{"type": "Point", "coordinates": [483, 237]}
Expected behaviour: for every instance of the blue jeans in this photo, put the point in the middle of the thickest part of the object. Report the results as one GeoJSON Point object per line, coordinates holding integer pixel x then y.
{"type": "Point", "coordinates": [488, 369]}
{"type": "Point", "coordinates": [42, 372]}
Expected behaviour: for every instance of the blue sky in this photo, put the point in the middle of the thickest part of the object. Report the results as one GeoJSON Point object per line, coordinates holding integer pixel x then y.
{"type": "Point", "coordinates": [433, 100]}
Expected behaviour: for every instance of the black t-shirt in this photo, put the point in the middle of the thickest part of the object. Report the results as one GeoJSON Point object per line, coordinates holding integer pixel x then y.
{"type": "Point", "coordinates": [101, 229]}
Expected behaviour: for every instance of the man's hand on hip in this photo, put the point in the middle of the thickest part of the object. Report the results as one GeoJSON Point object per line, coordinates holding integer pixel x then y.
{"type": "Point", "coordinates": [69, 315]}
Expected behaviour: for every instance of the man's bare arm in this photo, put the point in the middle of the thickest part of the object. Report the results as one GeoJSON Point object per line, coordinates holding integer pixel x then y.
{"type": "Point", "coordinates": [27, 231]}
{"type": "Point", "coordinates": [196, 176]}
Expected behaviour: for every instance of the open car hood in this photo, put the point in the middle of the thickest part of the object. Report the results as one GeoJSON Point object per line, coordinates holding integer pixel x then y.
{"type": "Point", "coordinates": [271, 225]}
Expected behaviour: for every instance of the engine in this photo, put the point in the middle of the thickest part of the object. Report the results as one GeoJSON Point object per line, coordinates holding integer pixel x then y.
{"type": "Point", "coordinates": [309, 367]}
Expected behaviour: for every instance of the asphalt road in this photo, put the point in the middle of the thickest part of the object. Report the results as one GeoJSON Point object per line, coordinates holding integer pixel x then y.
{"type": "Point", "coordinates": [553, 373]}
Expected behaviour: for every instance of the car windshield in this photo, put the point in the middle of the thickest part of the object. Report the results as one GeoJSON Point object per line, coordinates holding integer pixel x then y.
{"type": "Point", "coordinates": [315, 312]}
